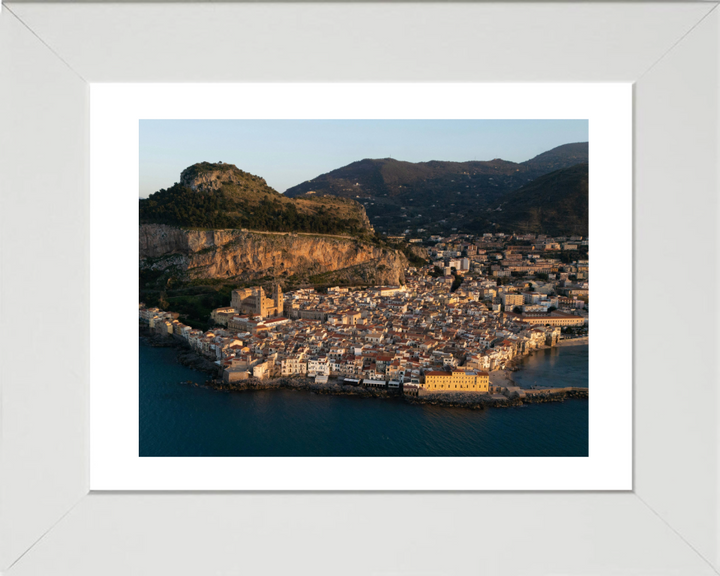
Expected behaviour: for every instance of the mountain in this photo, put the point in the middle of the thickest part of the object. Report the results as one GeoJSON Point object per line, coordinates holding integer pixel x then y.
{"type": "Point", "coordinates": [219, 228]}
{"type": "Point", "coordinates": [218, 196]}
{"type": "Point", "coordinates": [561, 157]}
{"type": "Point", "coordinates": [555, 204]}
{"type": "Point", "coordinates": [434, 195]}
{"type": "Point", "coordinates": [389, 177]}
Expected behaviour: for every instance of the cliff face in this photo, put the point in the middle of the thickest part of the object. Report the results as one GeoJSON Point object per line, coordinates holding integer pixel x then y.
{"type": "Point", "coordinates": [161, 240]}
{"type": "Point", "coordinates": [253, 255]}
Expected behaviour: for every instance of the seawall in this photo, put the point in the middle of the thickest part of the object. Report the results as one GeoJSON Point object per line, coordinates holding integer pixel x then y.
{"type": "Point", "coordinates": [584, 341]}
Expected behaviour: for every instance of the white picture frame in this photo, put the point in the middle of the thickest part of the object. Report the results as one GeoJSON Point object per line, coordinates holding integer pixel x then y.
{"type": "Point", "coordinates": [49, 523]}
{"type": "Point", "coordinates": [117, 111]}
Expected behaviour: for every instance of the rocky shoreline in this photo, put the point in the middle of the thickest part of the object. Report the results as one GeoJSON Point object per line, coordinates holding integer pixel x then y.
{"type": "Point", "coordinates": [185, 356]}
{"type": "Point", "coordinates": [189, 358]}
{"type": "Point", "coordinates": [446, 399]}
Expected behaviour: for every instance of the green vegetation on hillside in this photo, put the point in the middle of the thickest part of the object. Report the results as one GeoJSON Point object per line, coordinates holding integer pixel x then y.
{"type": "Point", "coordinates": [223, 196]}
{"type": "Point", "coordinates": [193, 303]}
{"type": "Point", "coordinates": [181, 206]}
{"type": "Point", "coordinates": [555, 204]}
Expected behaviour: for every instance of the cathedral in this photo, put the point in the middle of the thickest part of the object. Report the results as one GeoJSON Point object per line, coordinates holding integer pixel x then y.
{"type": "Point", "coordinates": [253, 301]}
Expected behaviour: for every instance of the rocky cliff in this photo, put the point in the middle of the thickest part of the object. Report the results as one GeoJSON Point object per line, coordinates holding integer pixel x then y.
{"type": "Point", "coordinates": [206, 177]}
{"type": "Point", "coordinates": [161, 240]}
{"type": "Point", "coordinates": [242, 255]}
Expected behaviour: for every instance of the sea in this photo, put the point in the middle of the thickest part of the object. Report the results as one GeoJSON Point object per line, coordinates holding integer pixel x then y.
{"type": "Point", "coordinates": [180, 417]}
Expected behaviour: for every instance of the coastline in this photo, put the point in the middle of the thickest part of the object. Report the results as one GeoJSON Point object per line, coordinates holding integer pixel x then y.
{"type": "Point", "coordinates": [189, 358]}
{"type": "Point", "coordinates": [584, 341]}
{"type": "Point", "coordinates": [447, 399]}
{"type": "Point", "coordinates": [185, 355]}
{"type": "Point", "coordinates": [503, 377]}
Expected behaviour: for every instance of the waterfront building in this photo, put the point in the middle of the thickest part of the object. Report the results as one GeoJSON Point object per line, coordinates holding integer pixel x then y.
{"type": "Point", "coordinates": [263, 370]}
{"type": "Point", "coordinates": [370, 383]}
{"type": "Point", "coordinates": [457, 381]}
{"type": "Point", "coordinates": [231, 375]}
{"type": "Point", "coordinates": [553, 319]}
{"type": "Point", "coordinates": [292, 365]}
{"type": "Point", "coordinates": [318, 366]}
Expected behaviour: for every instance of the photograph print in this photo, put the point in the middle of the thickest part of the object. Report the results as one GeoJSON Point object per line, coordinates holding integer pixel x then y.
{"type": "Point", "coordinates": [363, 288]}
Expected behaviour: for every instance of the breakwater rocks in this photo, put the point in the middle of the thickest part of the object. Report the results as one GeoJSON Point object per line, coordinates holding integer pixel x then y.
{"type": "Point", "coordinates": [468, 400]}
{"type": "Point", "coordinates": [156, 340]}
{"type": "Point", "coordinates": [473, 401]}
{"type": "Point", "coordinates": [555, 395]}
{"type": "Point", "coordinates": [479, 401]}
{"type": "Point", "coordinates": [582, 341]}
{"type": "Point", "coordinates": [191, 359]}
{"type": "Point", "coordinates": [304, 384]}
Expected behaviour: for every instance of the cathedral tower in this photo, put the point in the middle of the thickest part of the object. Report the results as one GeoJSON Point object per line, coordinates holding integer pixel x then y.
{"type": "Point", "coordinates": [278, 299]}
{"type": "Point", "coordinates": [259, 295]}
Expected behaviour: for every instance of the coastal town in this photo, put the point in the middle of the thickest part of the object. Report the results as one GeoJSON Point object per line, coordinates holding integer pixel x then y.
{"type": "Point", "coordinates": [456, 324]}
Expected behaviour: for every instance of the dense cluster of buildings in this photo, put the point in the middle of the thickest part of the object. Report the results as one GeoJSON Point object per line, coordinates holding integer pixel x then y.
{"type": "Point", "coordinates": [517, 293]}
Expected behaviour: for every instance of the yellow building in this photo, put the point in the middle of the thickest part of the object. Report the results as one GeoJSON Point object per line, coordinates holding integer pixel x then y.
{"type": "Point", "coordinates": [457, 381]}
{"type": "Point", "coordinates": [556, 319]}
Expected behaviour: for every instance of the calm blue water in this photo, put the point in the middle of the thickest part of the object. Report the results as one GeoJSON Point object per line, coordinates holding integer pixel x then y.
{"type": "Point", "coordinates": [180, 419]}
{"type": "Point", "coordinates": [562, 366]}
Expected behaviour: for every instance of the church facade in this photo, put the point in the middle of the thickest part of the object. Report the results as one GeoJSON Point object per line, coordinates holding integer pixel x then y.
{"type": "Point", "coordinates": [253, 301]}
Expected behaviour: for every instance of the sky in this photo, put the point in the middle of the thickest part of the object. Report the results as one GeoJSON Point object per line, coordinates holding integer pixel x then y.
{"type": "Point", "coordinates": [289, 152]}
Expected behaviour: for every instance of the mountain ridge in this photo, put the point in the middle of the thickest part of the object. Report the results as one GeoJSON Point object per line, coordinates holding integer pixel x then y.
{"type": "Point", "coordinates": [394, 171]}
{"type": "Point", "coordinates": [400, 195]}
{"type": "Point", "coordinates": [391, 195]}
